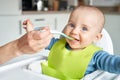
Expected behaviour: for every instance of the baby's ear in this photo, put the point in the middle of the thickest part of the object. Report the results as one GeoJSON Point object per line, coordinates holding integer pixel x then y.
{"type": "Point", "coordinates": [98, 37]}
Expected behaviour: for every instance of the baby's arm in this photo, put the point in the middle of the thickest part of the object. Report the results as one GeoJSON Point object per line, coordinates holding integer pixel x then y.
{"type": "Point", "coordinates": [107, 62]}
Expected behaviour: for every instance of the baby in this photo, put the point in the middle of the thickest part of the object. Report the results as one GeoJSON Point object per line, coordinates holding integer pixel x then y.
{"type": "Point", "coordinates": [73, 59]}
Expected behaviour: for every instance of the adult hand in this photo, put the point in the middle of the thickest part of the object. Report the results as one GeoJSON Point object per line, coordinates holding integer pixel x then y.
{"type": "Point", "coordinates": [33, 41]}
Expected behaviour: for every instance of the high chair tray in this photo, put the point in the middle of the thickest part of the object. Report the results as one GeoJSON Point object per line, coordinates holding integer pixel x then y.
{"type": "Point", "coordinates": [102, 75]}
{"type": "Point", "coordinates": [16, 71]}
{"type": "Point", "coordinates": [20, 71]}
{"type": "Point", "coordinates": [35, 69]}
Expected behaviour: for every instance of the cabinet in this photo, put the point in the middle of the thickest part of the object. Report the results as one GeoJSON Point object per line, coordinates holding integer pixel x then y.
{"type": "Point", "coordinates": [41, 20]}
{"type": "Point", "coordinates": [10, 11]}
{"type": "Point", "coordinates": [10, 7]}
{"type": "Point", "coordinates": [107, 3]}
{"type": "Point", "coordinates": [112, 25]}
{"type": "Point", "coordinates": [10, 28]}
{"type": "Point", "coordinates": [61, 21]}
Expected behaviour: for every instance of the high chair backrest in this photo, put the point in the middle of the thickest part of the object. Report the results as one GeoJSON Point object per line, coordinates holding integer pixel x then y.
{"type": "Point", "coordinates": [105, 42]}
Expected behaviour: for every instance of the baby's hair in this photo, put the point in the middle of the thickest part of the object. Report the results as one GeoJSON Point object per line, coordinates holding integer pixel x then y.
{"type": "Point", "coordinates": [97, 11]}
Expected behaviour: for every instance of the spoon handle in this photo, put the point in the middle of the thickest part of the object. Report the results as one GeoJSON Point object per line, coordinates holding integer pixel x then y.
{"type": "Point", "coordinates": [60, 33]}
{"type": "Point", "coordinates": [55, 32]}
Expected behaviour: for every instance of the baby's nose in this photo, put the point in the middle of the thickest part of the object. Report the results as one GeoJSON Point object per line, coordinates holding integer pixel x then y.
{"type": "Point", "coordinates": [75, 30]}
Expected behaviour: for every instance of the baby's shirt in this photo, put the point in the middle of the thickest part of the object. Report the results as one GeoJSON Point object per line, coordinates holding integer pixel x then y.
{"type": "Point", "coordinates": [101, 60]}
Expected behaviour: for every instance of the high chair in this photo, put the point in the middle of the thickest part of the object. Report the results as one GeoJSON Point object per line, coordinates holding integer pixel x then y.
{"type": "Point", "coordinates": [105, 43]}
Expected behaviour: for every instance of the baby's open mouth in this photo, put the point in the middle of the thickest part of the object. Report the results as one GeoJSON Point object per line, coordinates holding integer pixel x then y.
{"type": "Point", "coordinates": [76, 39]}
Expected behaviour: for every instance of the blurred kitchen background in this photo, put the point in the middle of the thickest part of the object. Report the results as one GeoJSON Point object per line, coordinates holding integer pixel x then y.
{"type": "Point", "coordinates": [53, 13]}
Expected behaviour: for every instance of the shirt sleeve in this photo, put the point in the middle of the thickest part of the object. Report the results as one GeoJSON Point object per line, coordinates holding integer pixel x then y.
{"type": "Point", "coordinates": [53, 40]}
{"type": "Point", "coordinates": [107, 62]}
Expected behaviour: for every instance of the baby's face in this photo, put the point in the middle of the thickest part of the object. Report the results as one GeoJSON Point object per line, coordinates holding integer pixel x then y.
{"type": "Point", "coordinates": [83, 27]}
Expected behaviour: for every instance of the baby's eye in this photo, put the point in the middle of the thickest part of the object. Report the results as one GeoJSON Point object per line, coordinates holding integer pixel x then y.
{"type": "Point", "coordinates": [84, 28]}
{"type": "Point", "coordinates": [71, 25]}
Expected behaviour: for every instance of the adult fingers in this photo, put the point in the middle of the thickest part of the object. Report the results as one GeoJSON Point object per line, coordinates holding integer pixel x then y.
{"type": "Point", "coordinates": [28, 26]}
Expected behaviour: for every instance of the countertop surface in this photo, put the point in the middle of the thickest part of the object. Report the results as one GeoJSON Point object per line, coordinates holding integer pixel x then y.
{"type": "Point", "coordinates": [45, 12]}
{"type": "Point", "coordinates": [105, 10]}
{"type": "Point", "coordinates": [61, 12]}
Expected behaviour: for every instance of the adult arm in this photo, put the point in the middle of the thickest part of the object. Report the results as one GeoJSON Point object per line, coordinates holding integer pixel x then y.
{"type": "Point", "coordinates": [29, 43]}
{"type": "Point", "coordinates": [9, 51]}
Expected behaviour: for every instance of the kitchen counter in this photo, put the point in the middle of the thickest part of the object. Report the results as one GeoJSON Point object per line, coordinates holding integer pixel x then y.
{"type": "Point", "coordinates": [106, 10]}
{"type": "Point", "coordinates": [62, 12]}
{"type": "Point", "coordinates": [44, 12]}
{"type": "Point", "coordinates": [110, 10]}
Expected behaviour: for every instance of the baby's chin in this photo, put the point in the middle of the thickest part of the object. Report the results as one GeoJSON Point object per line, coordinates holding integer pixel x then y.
{"type": "Point", "coordinates": [76, 47]}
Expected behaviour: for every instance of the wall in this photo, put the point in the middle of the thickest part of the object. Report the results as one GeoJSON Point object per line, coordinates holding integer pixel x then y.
{"type": "Point", "coordinates": [113, 27]}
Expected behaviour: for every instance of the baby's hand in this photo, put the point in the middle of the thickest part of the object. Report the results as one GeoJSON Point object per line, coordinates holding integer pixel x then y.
{"type": "Point", "coordinates": [28, 25]}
